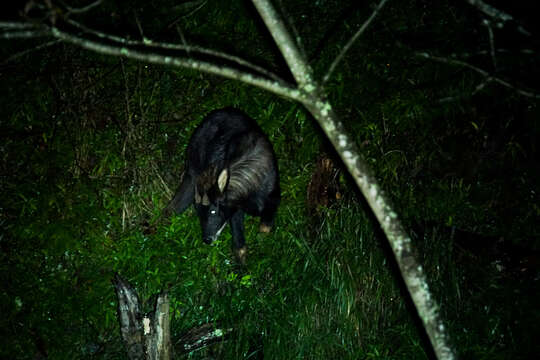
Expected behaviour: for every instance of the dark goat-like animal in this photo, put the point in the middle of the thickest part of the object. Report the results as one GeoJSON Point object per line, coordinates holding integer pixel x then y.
{"type": "Point", "coordinates": [231, 170]}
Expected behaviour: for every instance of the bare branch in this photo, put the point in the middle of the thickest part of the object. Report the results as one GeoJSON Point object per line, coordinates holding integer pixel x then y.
{"type": "Point", "coordinates": [488, 77]}
{"type": "Point", "coordinates": [487, 23]}
{"type": "Point", "coordinates": [351, 41]}
{"type": "Point", "coordinates": [490, 11]}
{"type": "Point", "coordinates": [24, 34]}
{"type": "Point", "coordinates": [293, 28]}
{"type": "Point", "coordinates": [183, 39]}
{"type": "Point", "coordinates": [401, 244]}
{"type": "Point", "coordinates": [279, 87]}
{"type": "Point", "coordinates": [17, 25]}
{"type": "Point", "coordinates": [477, 89]}
{"type": "Point", "coordinates": [501, 51]}
{"type": "Point", "coordinates": [26, 52]}
{"type": "Point", "coordinates": [184, 47]}
{"type": "Point", "coordinates": [139, 26]}
{"type": "Point", "coordinates": [143, 50]}
{"type": "Point", "coordinates": [293, 56]}
{"type": "Point", "coordinates": [196, 7]}
{"type": "Point", "coordinates": [496, 14]}
{"type": "Point", "coordinates": [84, 9]}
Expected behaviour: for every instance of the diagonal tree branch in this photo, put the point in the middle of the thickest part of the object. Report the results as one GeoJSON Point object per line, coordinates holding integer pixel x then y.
{"type": "Point", "coordinates": [290, 52]}
{"type": "Point", "coordinates": [400, 242]}
{"type": "Point", "coordinates": [312, 95]}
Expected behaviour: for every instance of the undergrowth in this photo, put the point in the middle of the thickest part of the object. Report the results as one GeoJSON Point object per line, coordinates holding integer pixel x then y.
{"type": "Point", "coordinates": [93, 149]}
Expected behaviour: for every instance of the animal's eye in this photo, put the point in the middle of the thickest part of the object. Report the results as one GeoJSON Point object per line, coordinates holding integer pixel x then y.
{"type": "Point", "coordinates": [213, 212]}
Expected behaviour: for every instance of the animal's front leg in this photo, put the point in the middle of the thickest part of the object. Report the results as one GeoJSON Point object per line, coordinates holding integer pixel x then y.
{"type": "Point", "coordinates": [237, 230]}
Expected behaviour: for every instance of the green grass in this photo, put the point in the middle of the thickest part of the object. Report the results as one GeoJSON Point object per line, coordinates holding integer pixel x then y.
{"type": "Point", "coordinates": [302, 294]}
{"type": "Point", "coordinates": [318, 286]}
{"type": "Point", "coordinates": [95, 149]}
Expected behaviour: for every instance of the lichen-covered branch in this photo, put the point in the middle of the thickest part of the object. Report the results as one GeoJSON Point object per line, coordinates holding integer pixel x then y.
{"type": "Point", "coordinates": [300, 69]}
{"type": "Point", "coordinates": [412, 272]}
{"type": "Point", "coordinates": [158, 53]}
{"type": "Point", "coordinates": [277, 87]}
{"type": "Point", "coordinates": [189, 49]}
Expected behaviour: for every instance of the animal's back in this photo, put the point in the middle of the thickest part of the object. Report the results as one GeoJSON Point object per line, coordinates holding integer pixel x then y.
{"type": "Point", "coordinates": [217, 136]}
{"type": "Point", "coordinates": [231, 170]}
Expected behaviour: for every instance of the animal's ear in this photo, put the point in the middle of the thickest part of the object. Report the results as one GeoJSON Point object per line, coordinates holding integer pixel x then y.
{"type": "Point", "coordinates": [222, 180]}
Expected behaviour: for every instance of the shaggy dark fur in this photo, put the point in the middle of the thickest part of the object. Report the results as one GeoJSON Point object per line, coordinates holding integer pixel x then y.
{"type": "Point", "coordinates": [231, 170]}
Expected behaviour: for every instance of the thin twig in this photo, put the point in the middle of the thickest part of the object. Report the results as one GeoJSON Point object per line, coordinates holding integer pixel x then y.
{"type": "Point", "coordinates": [25, 52]}
{"type": "Point", "coordinates": [183, 39]}
{"type": "Point", "coordinates": [500, 51]}
{"type": "Point", "coordinates": [72, 10]}
{"type": "Point", "coordinates": [491, 35]}
{"type": "Point", "coordinates": [139, 25]}
{"type": "Point", "coordinates": [482, 72]}
{"type": "Point", "coordinates": [193, 11]}
{"type": "Point", "coordinates": [476, 90]}
{"type": "Point", "coordinates": [352, 40]}
{"type": "Point", "coordinates": [481, 86]}
{"type": "Point", "coordinates": [129, 127]}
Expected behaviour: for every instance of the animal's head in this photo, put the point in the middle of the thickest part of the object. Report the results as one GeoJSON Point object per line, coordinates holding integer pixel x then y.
{"type": "Point", "coordinates": [210, 203]}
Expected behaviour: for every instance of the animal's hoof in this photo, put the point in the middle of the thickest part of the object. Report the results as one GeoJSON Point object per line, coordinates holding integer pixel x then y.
{"type": "Point", "coordinates": [241, 255]}
{"type": "Point", "coordinates": [264, 228]}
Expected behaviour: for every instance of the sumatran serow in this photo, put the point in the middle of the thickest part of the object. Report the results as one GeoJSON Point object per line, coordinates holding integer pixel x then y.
{"type": "Point", "coordinates": [231, 170]}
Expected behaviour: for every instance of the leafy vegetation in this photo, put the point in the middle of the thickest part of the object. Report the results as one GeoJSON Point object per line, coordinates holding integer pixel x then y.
{"type": "Point", "coordinates": [92, 150]}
